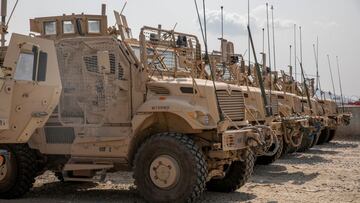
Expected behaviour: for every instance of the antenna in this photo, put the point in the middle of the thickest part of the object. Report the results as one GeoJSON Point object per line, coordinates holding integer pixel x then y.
{"type": "Point", "coordinates": [290, 64]}
{"type": "Point", "coordinates": [305, 85]}
{"type": "Point", "coordinates": [3, 21]}
{"type": "Point", "coordinates": [342, 98]}
{"type": "Point", "coordinates": [222, 22]}
{"type": "Point", "coordinates": [261, 82]}
{"type": "Point", "coordinates": [295, 56]}
{"type": "Point", "coordinates": [205, 31]}
{"type": "Point", "coordinates": [301, 57]}
{"type": "Point", "coordinates": [223, 61]}
{"type": "Point", "coordinates": [332, 79]}
{"type": "Point", "coordinates": [123, 8]}
{"type": "Point", "coordinates": [317, 68]}
{"type": "Point", "coordinates": [249, 37]}
{"type": "Point", "coordinates": [273, 30]}
{"type": "Point", "coordinates": [263, 35]}
{"type": "Point", "coordinates": [268, 34]}
{"type": "Point", "coordinates": [12, 12]}
{"type": "Point", "coordinates": [204, 35]}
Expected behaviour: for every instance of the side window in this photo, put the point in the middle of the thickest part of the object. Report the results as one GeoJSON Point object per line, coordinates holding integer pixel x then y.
{"type": "Point", "coordinates": [94, 26]}
{"type": "Point", "coordinates": [68, 27]}
{"type": "Point", "coordinates": [50, 28]}
{"type": "Point", "coordinates": [42, 67]}
{"type": "Point", "coordinates": [25, 67]}
{"type": "Point", "coordinates": [31, 66]}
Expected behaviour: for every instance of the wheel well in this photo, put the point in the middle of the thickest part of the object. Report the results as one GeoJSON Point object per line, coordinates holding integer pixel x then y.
{"type": "Point", "coordinates": [158, 123]}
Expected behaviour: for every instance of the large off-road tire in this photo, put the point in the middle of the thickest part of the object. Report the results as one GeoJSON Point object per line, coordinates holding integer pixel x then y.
{"type": "Point", "coordinates": [266, 160]}
{"type": "Point", "coordinates": [170, 167]}
{"type": "Point", "coordinates": [324, 136]}
{"type": "Point", "coordinates": [18, 177]}
{"type": "Point", "coordinates": [331, 135]}
{"type": "Point", "coordinates": [289, 149]}
{"type": "Point", "coordinates": [59, 176]}
{"type": "Point", "coordinates": [307, 140]}
{"type": "Point", "coordinates": [236, 175]}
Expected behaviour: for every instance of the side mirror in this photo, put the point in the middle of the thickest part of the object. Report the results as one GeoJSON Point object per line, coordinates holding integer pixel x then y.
{"type": "Point", "coordinates": [104, 62]}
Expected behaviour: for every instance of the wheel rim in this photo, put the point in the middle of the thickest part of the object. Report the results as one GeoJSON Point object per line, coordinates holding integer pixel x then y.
{"type": "Point", "coordinates": [164, 172]}
{"type": "Point", "coordinates": [4, 170]}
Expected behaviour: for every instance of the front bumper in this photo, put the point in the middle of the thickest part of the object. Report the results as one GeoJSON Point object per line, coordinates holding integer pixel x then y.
{"type": "Point", "coordinates": [258, 138]}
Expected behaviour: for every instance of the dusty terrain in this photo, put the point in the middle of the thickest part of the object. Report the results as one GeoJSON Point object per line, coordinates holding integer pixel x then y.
{"type": "Point", "coordinates": [327, 173]}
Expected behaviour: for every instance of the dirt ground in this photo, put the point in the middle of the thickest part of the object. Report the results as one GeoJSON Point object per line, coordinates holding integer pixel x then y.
{"type": "Point", "coordinates": [327, 173]}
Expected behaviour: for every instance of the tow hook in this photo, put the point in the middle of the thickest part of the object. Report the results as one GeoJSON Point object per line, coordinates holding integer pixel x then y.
{"type": "Point", "coordinates": [4, 155]}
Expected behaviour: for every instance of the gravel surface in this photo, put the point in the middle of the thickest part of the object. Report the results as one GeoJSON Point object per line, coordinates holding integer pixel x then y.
{"type": "Point", "coordinates": [327, 173]}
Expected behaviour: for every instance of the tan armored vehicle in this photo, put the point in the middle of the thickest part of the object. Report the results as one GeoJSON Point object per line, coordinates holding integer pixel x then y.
{"type": "Point", "coordinates": [312, 112]}
{"type": "Point", "coordinates": [176, 133]}
{"type": "Point", "coordinates": [284, 123]}
{"type": "Point", "coordinates": [332, 115]}
{"type": "Point", "coordinates": [30, 88]}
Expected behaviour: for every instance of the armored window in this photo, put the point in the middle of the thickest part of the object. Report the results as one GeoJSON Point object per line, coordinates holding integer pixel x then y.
{"type": "Point", "coordinates": [136, 50]}
{"type": "Point", "coordinates": [94, 26]}
{"type": "Point", "coordinates": [68, 27]}
{"type": "Point", "coordinates": [50, 28]}
{"type": "Point", "coordinates": [112, 59]}
{"type": "Point", "coordinates": [91, 63]}
{"type": "Point", "coordinates": [25, 67]}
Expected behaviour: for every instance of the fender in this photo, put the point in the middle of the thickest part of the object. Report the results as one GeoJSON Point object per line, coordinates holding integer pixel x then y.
{"type": "Point", "coordinates": [191, 113]}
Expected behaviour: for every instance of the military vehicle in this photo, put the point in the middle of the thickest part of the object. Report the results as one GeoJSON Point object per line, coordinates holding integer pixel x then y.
{"type": "Point", "coordinates": [311, 112]}
{"type": "Point", "coordinates": [92, 107]}
{"type": "Point", "coordinates": [332, 116]}
{"type": "Point", "coordinates": [30, 89]}
{"type": "Point", "coordinates": [284, 123]}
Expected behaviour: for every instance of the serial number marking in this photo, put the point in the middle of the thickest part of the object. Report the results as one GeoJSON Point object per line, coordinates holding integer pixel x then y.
{"type": "Point", "coordinates": [160, 108]}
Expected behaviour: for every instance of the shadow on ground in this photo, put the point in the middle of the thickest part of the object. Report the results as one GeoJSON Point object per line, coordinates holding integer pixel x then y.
{"type": "Point", "coordinates": [301, 158]}
{"type": "Point", "coordinates": [320, 151]}
{"type": "Point", "coordinates": [89, 193]}
{"type": "Point", "coordinates": [228, 197]}
{"type": "Point", "coordinates": [277, 174]}
{"type": "Point", "coordinates": [78, 192]}
{"type": "Point", "coordinates": [338, 145]}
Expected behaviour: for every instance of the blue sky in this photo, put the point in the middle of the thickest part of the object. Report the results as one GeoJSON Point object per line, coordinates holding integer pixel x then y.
{"type": "Point", "coordinates": [335, 22]}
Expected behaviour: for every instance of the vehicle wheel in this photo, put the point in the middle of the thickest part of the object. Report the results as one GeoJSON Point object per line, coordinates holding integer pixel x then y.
{"type": "Point", "coordinates": [169, 167]}
{"type": "Point", "coordinates": [307, 140]}
{"type": "Point", "coordinates": [324, 136]}
{"type": "Point", "coordinates": [266, 160]}
{"type": "Point", "coordinates": [18, 173]}
{"type": "Point", "coordinates": [59, 176]}
{"type": "Point", "coordinates": [288, 149]}
{"type": "Point", "coordinates": [331, 135]}
{"type": "Point", "coordinates": [236, 175]}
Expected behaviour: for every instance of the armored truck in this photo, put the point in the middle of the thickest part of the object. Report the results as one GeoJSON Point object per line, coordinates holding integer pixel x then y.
{"type": "Point", "coordinates": [76, 99]}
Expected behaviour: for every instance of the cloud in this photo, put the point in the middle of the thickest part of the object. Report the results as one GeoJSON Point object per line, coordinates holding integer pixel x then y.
{"type": "Point", "coordinates": [322, 24]}
{"type": "Point", "coordinates": [236, 24]}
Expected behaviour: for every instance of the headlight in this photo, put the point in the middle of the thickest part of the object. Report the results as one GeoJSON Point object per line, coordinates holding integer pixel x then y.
{"type": "Point", "coordinates": [205, 119]}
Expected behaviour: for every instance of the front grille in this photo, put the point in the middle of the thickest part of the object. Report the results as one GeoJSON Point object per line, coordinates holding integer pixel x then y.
{"type": "Point", "coordinates": [233, 106]}
{"type": "Point", "coordinates": [159, 90]}
{"type": "Point", "coordinates": [274, 104]}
